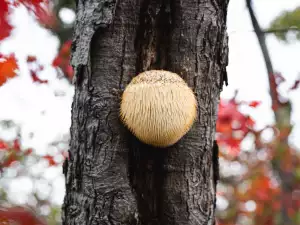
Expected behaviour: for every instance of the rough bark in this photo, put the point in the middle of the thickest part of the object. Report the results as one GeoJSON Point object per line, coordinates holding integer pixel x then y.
{"type": "Point", "coordinates": [111, 177]}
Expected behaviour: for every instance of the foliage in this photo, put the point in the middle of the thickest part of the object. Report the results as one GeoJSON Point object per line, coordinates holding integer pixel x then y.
{"type": "Point", "coordinates": [258, 193]}
{"type": "Point", "coordinates": [48, 17]}
{"type": "Point", "coordinates": [13, 157]}
{"type": "Point", "coordinates": [19, 215]}
{"type": "Point", "coordinates": [26, 163]}
{"type": "Point", "coordinates": [8, 66]}
{"type": "Point", "coordinates": [288, 21]}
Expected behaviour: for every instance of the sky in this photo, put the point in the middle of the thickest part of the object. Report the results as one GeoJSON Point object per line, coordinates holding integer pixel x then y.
{"type": "Point", "coordinates": [246, 69]}
{"type": "Point", "coordinates": [37, 110]}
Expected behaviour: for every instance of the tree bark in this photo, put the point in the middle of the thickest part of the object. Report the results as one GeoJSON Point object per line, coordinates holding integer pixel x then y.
{"type": "Point", "coordinates": [111, 177]}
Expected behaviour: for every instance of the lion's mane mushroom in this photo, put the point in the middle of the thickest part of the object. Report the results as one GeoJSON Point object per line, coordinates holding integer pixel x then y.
{"type": "Point", "coordinates": [158, 107]}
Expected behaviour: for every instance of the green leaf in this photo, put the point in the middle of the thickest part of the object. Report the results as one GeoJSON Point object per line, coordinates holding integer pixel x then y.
{"type": "Point", "coordinates": [297, 173]}
{"type": "Point", "coordinates": [288, 21]}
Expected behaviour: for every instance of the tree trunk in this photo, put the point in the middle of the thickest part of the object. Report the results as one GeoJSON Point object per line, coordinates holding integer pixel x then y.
{"type": "Point", "coordinates": [111, 177]}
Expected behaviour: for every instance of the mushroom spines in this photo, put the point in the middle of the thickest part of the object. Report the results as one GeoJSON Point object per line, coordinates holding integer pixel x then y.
{"type": "Point", "coordinates": [158, 107]}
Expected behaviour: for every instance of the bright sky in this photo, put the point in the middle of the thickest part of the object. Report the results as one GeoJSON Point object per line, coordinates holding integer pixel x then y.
{"type": "Point", "coordinates": [246, 69]}
{"type": "Point", "coordinates": [38, 110]}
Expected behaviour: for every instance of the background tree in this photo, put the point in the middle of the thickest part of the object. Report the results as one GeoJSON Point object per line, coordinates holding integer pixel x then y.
{"type": "Point", "coordinates": [268, 191]}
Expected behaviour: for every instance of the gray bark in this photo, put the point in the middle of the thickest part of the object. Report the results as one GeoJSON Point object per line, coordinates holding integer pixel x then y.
{"type": "Point", "coordinates": [111, 177]}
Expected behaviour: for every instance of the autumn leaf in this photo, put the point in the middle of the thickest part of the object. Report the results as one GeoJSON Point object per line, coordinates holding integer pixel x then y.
{"type": "Point", "coordinates": [3, 145]}
{"type": "Point", "coordinates": [57, 61]}
{"type": "Point", "coordinates": [46, 17]}
{"type": "Point", "coordinates": [31, 58]}
{"type": "Point", "coordinates": [50, 160]}
{"type": "Point", "coordinates": [33, 72]}
{"type": "Point", "coordinates": [5, 26]}
{"type": "Point", "coordinates": [232, 126]}
{"type": "Point", "coordinates": [254, 104]}
{"type": "Point", "coordinates": [28, 151]}
{"type": "Point", "coordinates": [62, 60]}
{"type": "Point", "coordinates": [36, 79]}
{"type": "Point", "coordinates": [31, 5]}
{"type": "Point", "coordinates": [66, 48]}
{"type": "Point", "coordinates": [17, 146]}
{"type": "Point", "coordinates": [20, 215]}
{"type": "Point", "coordinates": [69, 71]}
{"type": "Point", "coordinates": [40, 8]}
{"type": "Point", "coordinates": [295, 85]}
{"type": "Point", "coordinates": [8, 66]}
{"type": "Point", "coordinates": [11, 158]}
{"type": "Point", "coordinates": [42, 11]}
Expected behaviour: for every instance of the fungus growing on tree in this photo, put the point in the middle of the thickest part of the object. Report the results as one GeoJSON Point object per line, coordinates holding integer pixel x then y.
{"type": "Point", "coordinates": [158, 107]}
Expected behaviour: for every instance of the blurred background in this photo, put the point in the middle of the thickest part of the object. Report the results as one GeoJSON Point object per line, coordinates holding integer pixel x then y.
{"type": "Point", "coordinates": [258, 128]}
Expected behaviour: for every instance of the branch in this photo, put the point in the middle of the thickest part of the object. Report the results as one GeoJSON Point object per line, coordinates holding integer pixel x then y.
{"type": "Point", "coordinates": [262, 42]}
{"type": "Point", "coordinates": [285, 183]}
{"type": "Point", "coordinates": [281, 30]}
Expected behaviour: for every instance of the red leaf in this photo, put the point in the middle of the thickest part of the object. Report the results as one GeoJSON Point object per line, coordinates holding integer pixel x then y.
{"type": "Point", "coordinates": [10, 160]}
{"type": "Point", "coordinates": [262, 195]}
{"type": "Point", "coordinates": [69, 71]}
{"type": "Point", "coordinates": [5, 26]}
{"type": "Point", "coordinates": [41, 9]}
{"type": "Point", "coordinates": [57, 61]}
{"type": "Point", "coordinates": [32, 5]}
{"type": "Point", "coordinates": [3, 145]}
{"type": "Point", "coordinates": [232, 126]}
{"type": "Point", "coordinates": [28, 151]}
{"type": "Point", "coordinates": [254, 104]}
{"type": "Point", "coordinates": [46, 17]}
{"type": "Point", "coordinates": [20, 215]}
{"type": "Point", "coordinates": [62, 60]}
{"type": "Point", "coordinates": [42, 12]}
{"type": "Point", "coordinates": [50, 160]}
{"type": "Point", "coordinates": [66, 48]}
{"type": "Point", "coordinates": [8, 65]}
{"type": "Point", "coordinates": [17, 146]}
{"type": "Point", "coordinates": [31, 59]}
{"type": "Point", "coordinates": [41, 68]}
{"type": "Point", "coordinates": [33, 73]}
{"type": "Point", "coordinates": [35, 78]}
{"type": "Point", "coordinates": [295, 85]}
{"type": "Point", "coordinates": [250, 122]}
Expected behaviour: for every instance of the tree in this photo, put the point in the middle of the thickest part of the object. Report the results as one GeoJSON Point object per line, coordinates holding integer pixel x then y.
{"type": "Point", "coordinates": [111, 178]}
{"type": "Point", "coordinates": [271, 168]}
{"type": "Point", "coordinates": [289, 214]}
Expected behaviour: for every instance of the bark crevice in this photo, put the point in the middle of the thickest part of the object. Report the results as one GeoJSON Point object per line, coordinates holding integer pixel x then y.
{"type": "Point", "coordinates": [153, 35]}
